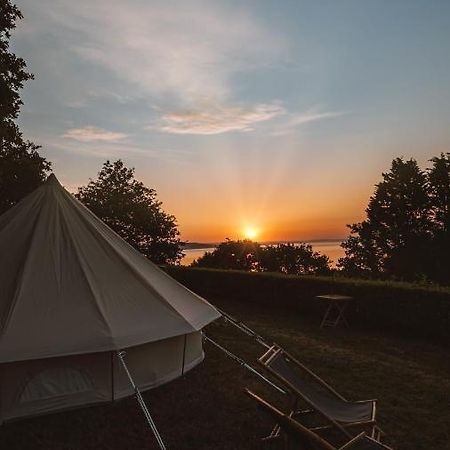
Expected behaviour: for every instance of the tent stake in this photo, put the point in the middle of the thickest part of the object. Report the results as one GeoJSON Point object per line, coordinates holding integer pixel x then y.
{"type": "Point", "coordinates": [141, 402]}
{"type": "Point", "coordinates": [243, 363]}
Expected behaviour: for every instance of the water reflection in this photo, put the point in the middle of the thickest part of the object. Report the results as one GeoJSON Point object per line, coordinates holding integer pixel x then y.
{"type": "Point", "coordinates": [330, 248]}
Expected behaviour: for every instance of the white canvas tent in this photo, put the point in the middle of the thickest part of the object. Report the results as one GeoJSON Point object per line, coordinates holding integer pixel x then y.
{"type": "Point", "coordinates": [72, 293]}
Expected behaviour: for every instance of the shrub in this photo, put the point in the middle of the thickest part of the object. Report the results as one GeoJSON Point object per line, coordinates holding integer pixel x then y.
{"type": "Point", "coordinates": [402, 308]}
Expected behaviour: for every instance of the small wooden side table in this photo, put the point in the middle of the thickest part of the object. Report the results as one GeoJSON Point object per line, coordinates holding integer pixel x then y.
{"type": "Point", "coordinates": [334, 314]}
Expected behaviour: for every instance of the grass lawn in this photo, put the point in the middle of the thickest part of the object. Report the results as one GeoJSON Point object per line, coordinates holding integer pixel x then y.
{"type": "Point", "coordinates": [206, 409]}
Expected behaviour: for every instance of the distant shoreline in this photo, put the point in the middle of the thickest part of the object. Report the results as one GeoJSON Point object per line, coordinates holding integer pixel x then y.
{"type": "Point", "coordinates": [201, 245]}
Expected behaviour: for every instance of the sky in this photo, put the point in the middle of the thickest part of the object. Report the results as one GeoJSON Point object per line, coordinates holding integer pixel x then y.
{"type": "Point", "coordinates": [275, 117]}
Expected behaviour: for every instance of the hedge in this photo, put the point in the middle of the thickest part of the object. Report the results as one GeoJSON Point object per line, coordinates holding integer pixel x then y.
{"type": "Point", "coordinates": [400, 308]}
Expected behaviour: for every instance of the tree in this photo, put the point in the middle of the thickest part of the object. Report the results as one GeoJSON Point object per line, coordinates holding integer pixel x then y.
{"type": "Point", "coordinates": [237, 255]}
{"type": "Point", "coordinates": [22, 169]}
{"type": "Point", "coordinates": [392, 241]}
{"type": "Point", "coordinates": [133, 211]}
{"type": "Point", "coordinates": [251, 256]}
{"type": "Point", "coordinates": [439, 192]}
{"type": "Point", "coordinates": [294, 259]}
{"type": "Point", "coordinates": [439, 189]}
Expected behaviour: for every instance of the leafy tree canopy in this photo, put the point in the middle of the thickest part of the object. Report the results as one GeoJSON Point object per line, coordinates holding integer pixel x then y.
{"type": "Point", "coordinates": [406, 216]}
{"type": "Point", "coordinates": [252, 256]}
{"type": "Point", "coordinates": [22, 169]}
{"type": "Point", "coordinates": [439, 191]}
{"type": "Point", "coordinates": [235, 255]}
{"type": "Point", "coordinates": [298, 259]}
{"type": "Point", "coordinates": [133, 211]}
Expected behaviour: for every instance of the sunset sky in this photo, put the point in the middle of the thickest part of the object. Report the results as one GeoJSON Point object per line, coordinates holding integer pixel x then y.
{"type": "Point", "coordinates": [277, 116]}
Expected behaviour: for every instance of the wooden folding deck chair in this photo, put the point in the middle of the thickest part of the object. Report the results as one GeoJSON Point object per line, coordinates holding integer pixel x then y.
{"type": "Point", "coordinates": [298, 437]}
{"type": "Point", "coordinates": [321, 398]}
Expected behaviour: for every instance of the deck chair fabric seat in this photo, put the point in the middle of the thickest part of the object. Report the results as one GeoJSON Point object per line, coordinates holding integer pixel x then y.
{"type": "Point", "coordinates": [300, 437]}
{"type": "Point", "coordinates": [323, 400]}
{"type": "Point", "coordinates": [340, 410]}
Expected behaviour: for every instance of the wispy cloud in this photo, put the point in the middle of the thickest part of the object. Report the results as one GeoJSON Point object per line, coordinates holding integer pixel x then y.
{"type": "Point", "coordinates": [219, 119]}
{"type": "Point", "coordinates": [171, 54]}
{"type": "Point", "coordinates": [294, 121]}
{"type": "Point", "coordinates": [187, 51]}
{"type": "Point", "coordinates": [93, 134]}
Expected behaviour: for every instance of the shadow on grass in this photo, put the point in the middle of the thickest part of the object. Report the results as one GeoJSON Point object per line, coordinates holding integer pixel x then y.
{"type": "Point", "coordinates": [206, 408]}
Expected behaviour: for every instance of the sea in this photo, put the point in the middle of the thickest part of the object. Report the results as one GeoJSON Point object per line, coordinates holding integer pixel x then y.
{"type": "Point", "coordinates": [331, 248]}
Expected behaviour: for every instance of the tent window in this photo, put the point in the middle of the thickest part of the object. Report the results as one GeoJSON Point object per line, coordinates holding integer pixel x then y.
{"type": "Point", "coordinates": [56, 382]}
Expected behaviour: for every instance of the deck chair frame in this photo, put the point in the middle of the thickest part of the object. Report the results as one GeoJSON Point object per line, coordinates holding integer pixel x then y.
{"type": "Point", "coordinates": [293, 428]}
{"type": "Point", "coordinates": [361, 436]}
{"type": "Point", "coordinates": [276, 351]}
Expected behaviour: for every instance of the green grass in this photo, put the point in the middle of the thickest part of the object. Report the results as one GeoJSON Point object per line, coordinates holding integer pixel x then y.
{"type": "Point", "coordinates": [206, 409]}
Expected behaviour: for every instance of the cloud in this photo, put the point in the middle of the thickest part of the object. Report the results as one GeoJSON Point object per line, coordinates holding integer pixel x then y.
{"type": "Point", "coordinates": [218, 119]}
{"type": "Point", "coordinates": [93, 134]}
{"type": "Point", "coordinates": [294, 121]}
{"type": "Point", "coordinates": [300, 119]}
{"type": "Point", "coordinates": [183, 51]}
{"type": "Point", "coordinates": [162, 55]}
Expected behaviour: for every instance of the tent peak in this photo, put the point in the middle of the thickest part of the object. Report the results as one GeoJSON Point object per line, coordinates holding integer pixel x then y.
{"type": "Point", "coordinates": [51, 179]}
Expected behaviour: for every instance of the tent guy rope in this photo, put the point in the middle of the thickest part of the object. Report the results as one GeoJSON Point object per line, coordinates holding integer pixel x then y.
{"type": "Point", "coordinates": [242, 363]}
{"type": "Point", "coordinates": [141, 402]}
{"type": "Point", "coordinates": [244, 328]}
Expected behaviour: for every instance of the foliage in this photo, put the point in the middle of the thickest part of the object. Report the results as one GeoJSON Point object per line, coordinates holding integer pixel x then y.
{"type": "Point", "coordinates": [294, 259]}
{"type": "Point", "coordinates": [407, 216]}
{"type": "Point", "coordinates": [405, 309]}
{"type": "Point", "coordinates": [22, 169]}
{"type": "Point", "coordinates": [439, 191]}
{"type": "Point", "coordinates": [252, 256]}
{"type": "Point", "coordinates": [133, 211]}
{"type": "Point", "coordinates": [238, 255]}
{"type": "Point", "coordinates": [12, 68]}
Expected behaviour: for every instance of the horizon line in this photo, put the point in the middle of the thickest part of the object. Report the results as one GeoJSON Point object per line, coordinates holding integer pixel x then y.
{"type": "Point", "coordinates": [284, 241]}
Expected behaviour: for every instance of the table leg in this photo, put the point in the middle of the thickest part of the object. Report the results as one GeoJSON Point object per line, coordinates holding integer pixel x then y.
{"type": "Point", "coordinates": [341, 314]}
{"type": "Point", "coordinates": [327, 313]}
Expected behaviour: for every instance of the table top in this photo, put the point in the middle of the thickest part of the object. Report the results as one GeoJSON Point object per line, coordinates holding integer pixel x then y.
{"type": "Point", "coordinates": [334, 297]}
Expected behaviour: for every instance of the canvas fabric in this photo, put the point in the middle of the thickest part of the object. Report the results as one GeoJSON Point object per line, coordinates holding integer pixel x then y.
{"type": "Point", "coordinates": [41, 386]}
{"type": "Point", "coordinates": [73, 293]}
{"type": "Point", "coordinates": [70, 285]}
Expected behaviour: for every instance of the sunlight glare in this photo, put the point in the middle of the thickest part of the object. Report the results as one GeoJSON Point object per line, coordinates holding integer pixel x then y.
{"type": "Point", "coordinates": [250, 233]}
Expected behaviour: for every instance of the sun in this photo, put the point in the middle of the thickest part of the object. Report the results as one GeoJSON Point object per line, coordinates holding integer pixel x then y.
{"type": "Point", "coordinates": [250, 233]}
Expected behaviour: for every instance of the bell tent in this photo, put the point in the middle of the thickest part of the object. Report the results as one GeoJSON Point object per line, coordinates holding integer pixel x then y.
{"type": "Point", "coordinates": [73, 294]}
